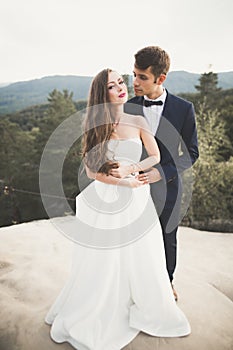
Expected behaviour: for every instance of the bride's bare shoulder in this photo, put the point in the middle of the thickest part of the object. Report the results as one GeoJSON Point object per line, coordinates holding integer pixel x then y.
{"type": "Point", "coordinates": [137, 120]}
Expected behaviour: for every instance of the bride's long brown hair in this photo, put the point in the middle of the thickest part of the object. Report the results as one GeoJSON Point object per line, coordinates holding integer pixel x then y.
{"type": "Point", "coordinates": [98, 126]}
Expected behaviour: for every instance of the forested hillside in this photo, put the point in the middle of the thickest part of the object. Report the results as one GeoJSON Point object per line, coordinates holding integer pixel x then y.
{"type": "Point", "coordinates": [23, 136]}
{"type": "Point", "coordinates": [20, 95]}
{"type": "Point", "coordinates": [17, 96]}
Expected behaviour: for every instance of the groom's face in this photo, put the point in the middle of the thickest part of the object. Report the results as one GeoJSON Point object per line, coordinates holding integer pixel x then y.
{"type": "Point", "coordinates": [144, 82]}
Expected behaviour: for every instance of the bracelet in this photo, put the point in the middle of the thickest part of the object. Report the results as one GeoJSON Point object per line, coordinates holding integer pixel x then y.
{"type": "Point", "coordinates": [134, 169]}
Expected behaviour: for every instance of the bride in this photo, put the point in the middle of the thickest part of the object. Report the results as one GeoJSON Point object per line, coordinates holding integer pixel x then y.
{"type": "Point", "coordinates": [119, 283]}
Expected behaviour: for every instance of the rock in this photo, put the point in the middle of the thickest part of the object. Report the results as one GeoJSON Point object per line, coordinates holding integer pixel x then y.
{"type": "Point", "coordinates": [35, 262]}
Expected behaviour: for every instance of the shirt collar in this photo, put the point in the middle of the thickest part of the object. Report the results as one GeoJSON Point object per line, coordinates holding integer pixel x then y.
{"type": "Point", "coordinates": [160, 98]}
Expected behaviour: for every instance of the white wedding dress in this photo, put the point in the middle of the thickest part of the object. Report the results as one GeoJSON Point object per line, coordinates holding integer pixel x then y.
{"type": "Point", "coordinates": [119, 284]}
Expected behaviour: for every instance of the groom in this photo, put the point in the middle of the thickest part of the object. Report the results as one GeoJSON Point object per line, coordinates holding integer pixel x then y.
{"type": "Point", "coordinates": [172, 121]}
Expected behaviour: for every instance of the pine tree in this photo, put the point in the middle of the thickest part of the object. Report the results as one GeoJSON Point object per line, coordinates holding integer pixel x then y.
{"type": "Point", "coordinates": [208, 84]}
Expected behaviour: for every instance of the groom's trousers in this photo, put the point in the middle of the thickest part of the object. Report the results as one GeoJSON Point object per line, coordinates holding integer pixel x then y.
{"type": "Point", "coordinates": [167, 200]}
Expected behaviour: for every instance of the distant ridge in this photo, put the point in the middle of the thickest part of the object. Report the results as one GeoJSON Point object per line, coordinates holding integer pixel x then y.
{"type": "Point", "coordinates": [19, 95]}
{"type": "Point", "coordinates": [4, 84]}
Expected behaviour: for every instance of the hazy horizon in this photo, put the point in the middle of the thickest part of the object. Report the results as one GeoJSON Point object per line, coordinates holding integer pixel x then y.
{"type": "Point", "coordinates": [2, 84]}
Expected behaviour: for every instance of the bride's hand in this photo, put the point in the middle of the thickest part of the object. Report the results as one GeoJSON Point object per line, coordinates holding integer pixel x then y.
{"type": "Point", "coordinates": [132, 182]}
{"type": "Point", "coordinates": [121, 172]}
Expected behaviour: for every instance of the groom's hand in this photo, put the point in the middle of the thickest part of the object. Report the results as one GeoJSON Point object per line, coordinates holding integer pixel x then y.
{"type": "Point", "coordinates": [153, 175]}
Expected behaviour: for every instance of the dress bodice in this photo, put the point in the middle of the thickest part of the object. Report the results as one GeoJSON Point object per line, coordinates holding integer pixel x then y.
{"type": "Point", "coordinates": [125, 150]}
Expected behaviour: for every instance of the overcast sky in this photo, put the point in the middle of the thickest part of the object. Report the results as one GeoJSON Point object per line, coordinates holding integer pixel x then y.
{"type": "Point", "coordinates": [49, 37]}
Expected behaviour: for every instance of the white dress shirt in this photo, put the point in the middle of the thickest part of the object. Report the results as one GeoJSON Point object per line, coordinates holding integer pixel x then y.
{"type": "Point", "coordinates": [153, 113]}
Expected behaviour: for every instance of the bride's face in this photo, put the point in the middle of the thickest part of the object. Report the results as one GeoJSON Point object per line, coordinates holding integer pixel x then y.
{"type": "Point", "coordinates": [116, 88]}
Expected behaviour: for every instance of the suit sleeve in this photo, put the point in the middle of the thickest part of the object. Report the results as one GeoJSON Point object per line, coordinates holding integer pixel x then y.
{"type": "Point", "coordinates": [188, 153]}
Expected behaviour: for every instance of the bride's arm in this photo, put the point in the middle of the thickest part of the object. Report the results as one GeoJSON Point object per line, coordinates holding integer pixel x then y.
{"type": "Point", "coordinates": [150, 145]}
{"type": "Point", "coordinates": [152, 150]}
{"type": "Point", "coordinates": [111, 180]}
{"type": "Point", "coordinates": [101, 177]}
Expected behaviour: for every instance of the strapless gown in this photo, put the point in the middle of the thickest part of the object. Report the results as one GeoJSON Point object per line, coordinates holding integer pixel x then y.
{"type": "Point", "coordinates": [118, 284]}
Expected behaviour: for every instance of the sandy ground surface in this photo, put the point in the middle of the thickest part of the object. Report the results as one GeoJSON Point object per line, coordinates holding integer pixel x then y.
{"type": "Point", "coordinates": [35, 262]}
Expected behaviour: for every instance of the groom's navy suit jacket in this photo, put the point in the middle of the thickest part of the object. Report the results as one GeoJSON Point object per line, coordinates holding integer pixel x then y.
{"type": "Point", "coordinates": [177, 140]}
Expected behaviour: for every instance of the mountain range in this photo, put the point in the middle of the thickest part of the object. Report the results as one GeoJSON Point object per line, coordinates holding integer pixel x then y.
{"type": "Point", "coordinates": [19, 95]}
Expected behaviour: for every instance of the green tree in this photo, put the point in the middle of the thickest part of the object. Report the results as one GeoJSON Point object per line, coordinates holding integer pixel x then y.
{"type": "Point", "coordinates": [223, 102]}
{"type": "Point", "coordinates": [210, 190]}
{"type": "Point", "coordinates": [208, 84]}
{"type": "Point", "coordinates": [208, 90]}
{"type": "Point", "coordinates": [61, 107]}
{"type": "Point", "coordinates": [225, 106]}
{"type": "Point", "coordinates": [17, 172]}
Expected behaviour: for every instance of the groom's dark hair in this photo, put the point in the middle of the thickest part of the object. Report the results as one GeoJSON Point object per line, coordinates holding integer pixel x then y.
{"type": "Point", "coordinates": [154, 57]}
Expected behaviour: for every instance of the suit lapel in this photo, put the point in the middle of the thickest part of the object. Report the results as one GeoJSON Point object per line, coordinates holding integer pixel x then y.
{"type": "Point", "coordinates": [140, 102]}
{"type": "Point", "coordinates": [166, 114]}
{"type": "Point", "coordinates": [134, 106]}
{"type": "Point", "coordinates": [167, 105]}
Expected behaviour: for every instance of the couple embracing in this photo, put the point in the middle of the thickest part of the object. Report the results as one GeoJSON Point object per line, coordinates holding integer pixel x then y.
{"type": "Point", "coordinates": [121, 282]}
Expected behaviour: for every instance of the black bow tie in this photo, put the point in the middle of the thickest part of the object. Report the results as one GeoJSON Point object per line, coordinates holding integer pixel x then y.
{"type": "Point", "coordinates": [151, 103]}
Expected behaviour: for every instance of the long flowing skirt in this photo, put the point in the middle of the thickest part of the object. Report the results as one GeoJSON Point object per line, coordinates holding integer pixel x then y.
{"type": "Point", "coordinates": [119, 284]}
